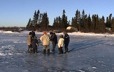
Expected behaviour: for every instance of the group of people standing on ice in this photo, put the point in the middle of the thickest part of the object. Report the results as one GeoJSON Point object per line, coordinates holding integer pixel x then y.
{"type": "Point", "coordinates": [47, 40]}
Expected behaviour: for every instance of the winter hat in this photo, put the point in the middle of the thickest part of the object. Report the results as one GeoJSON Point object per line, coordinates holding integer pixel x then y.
{"type": "Point", "coordinates": [44, 32]}
{"type": "Point", "coordinates": [61, 36]}
{"type": "Point", "coordinates": [51, 32]}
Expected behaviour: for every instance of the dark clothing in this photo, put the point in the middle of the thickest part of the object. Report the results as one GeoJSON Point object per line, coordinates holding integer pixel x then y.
{"type": "Point", "coordinates": [53, 46]}
{"type": "Point", "coordinates": [66, 39]}
{"type": "Point", "coordinates": [66, 48]}
{"type": "Point", "coordinates": [33, 34]}
{"type": "Point", "coordinates": [60, 50]}
{"type": "Point", "coordinates": [66, 42]}
{"type": "Point", "coordinates": [53, 39]}
{"type": "Point", "coordinates": [46, 49]}
{"type": "Point", "coordinates": [34, 44]}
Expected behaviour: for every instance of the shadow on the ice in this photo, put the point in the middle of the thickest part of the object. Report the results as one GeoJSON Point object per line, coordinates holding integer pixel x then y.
{"type": "Point", "coordinates": [84, 45]}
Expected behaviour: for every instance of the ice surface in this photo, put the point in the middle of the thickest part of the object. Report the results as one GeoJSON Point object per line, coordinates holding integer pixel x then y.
{"type": "Point", "coordinates": [89, 52]}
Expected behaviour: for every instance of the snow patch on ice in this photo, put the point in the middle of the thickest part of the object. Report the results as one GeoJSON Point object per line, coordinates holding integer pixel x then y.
{"type": "Point", "coordinates": [8, 46]}
{"type": "Point", "coordinates": [9, 53]}
{"type": "Point", "coordinates": [2, 54]}
{"type": "Point", "coordinates": [19, 41]}
{"type": "Point", "coordinates": [81, 71]}
{"type": "Point", "coordinates": [94, 67]}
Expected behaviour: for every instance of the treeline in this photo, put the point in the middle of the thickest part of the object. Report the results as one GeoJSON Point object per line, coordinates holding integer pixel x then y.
{"type": "Point", "coordinates": [13, 29]}
{"type": "Point", "coordinates": [81, 21]}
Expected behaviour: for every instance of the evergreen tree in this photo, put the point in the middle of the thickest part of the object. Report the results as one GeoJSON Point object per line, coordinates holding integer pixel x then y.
{"type": "Point", "coordinates": [108, 21]}
{"type": "Point", "coordinates": [28, 24]}
{"type": "Point", "coordinates": [64, 24]}
{"type": "Point", "coordinates": [89, 23]}
{"type": "Point", "coordinates": [112, 26]}
{"type": "Point", "coordinates": [73, 22]}
{"type": "Point", "coordinates": [97, 23]}
{"type": "Point", "coordinates": [35, 18]}
{"type": "Point", "coordinates": [76, 20]}
{"type": "Point", "coordinates": [45, 22]}
{"type": "Point", "coordinates": [94, 22]}
{"type": "Point", "coordinates": [102, 25]}
{"type": "Point", "coordinates": [57, 23]}
{"type": "Point", "coordinates": [83, 14]}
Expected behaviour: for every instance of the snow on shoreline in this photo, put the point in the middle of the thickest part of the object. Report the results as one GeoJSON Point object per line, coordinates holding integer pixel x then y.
{"type": "Point", "coordinates": [7, 32]}
{"type": "Point", "coordinates": [73, 33]}
{"type": "Point", "coordinates": [91, 34]}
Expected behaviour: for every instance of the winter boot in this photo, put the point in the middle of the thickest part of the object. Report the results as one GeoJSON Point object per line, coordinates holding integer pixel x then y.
{"type": "Point", "coordinates": [44, 51]}
{"type": "Point", "coordinates": [59, 50]}
{"type": "Point", "coordinates": [48, 51]}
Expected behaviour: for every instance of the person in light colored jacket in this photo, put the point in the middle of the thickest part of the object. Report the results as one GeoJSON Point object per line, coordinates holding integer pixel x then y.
{"type": "Point", "coordinates": [61, 44]}
{"type": "Point", "coordinates": [29, 41]}
{"type": "Point", "coordinates": [45, 42]}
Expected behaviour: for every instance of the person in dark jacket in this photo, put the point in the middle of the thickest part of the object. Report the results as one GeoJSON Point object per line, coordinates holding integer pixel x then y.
{"type": "Point", "coordinates": [34, 44]}
{"type": "Point", "coordinates": [33, 33]}
{"type": "Point", "coordinates": [66, 41]}
{"type": "Point", "coordinates": [53, 40]}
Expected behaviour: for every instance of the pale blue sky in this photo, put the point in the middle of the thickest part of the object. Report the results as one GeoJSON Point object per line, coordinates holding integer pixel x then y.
{"type": "Point", "coordinates": [18, 12]}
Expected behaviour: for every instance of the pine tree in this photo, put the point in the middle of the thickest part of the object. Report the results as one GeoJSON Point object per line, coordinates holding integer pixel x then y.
{"type": "Point", "coordinates": [112, 25]}
{"type": "Point", "coordinates": [108, 21]}
{"type": "Point", "coordinates": [64, 24]}
{"type": "Point", "coordinates": [89, 23]}
{"type": "Point", "coordinates": [45, 22]}
{"type": "Point", "coordinates": [83, 14]}
{"type": "Point", "coordinates": [28, 24]}
{"type": "Point", "coordinates": [34, 18]}
{"type": "Point", "coordinates": [102, 25]}
{"type": "Point", "coordinates": [76, 20]}
{"type": "Point", "coordinates": [57, 23]}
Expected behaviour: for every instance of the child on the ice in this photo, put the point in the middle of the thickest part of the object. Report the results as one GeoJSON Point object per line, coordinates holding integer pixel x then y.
{"type": "Point", "coordinates": [60, 44]}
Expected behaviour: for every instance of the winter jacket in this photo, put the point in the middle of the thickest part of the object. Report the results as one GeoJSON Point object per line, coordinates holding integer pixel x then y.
{"type": "Point", "coordinates": [53, 38]}
{"type": "Point", "coordinates": [45, 39]}
{"type": "Point", "coordinates": [29, 40]}
{"type": "Point", "coordinates": [34, 42]}
{"type": "Point", "coordinates": [60, 42]}
{"type": "Point", "coordinates": [66, 39]}
{"type": "Point", "coordinates": [33, 34]}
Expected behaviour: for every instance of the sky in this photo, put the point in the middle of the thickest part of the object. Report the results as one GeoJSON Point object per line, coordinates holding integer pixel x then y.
{"type": "Point", "coordinates": [18, 12]}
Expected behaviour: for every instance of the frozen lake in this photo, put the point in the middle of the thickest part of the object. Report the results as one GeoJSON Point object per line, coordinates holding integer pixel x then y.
{"type": "Point", "coordinates": [87, 54]}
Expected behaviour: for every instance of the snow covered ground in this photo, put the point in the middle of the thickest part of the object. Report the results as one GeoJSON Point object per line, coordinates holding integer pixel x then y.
{"type": "Point", "coordinates": [89, 52]}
